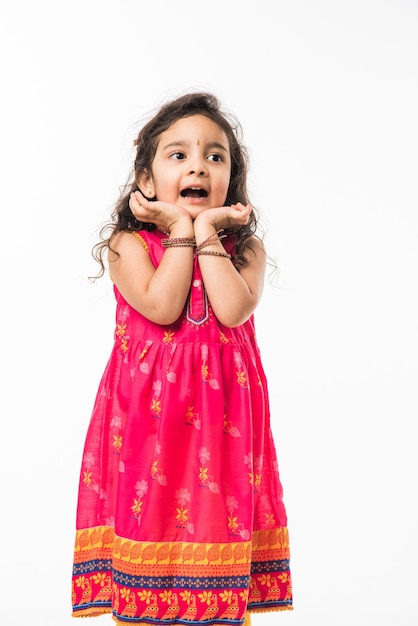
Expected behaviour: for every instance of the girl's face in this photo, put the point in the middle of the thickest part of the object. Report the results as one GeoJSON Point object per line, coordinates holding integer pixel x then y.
{"type": "Point", "coordinates": [192, 165]}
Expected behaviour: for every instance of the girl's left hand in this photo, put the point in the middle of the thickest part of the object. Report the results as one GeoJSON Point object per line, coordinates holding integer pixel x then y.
{"type": "Point", "coordinates": [224, 217]}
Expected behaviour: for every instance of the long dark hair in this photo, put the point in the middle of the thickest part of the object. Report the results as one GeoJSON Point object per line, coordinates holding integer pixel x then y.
{"type": "Point", "coordinates": [200, 103]}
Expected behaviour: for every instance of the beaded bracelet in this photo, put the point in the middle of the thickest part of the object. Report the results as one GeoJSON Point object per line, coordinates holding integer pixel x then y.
{"type": "Point", "coordinates": [212, 239]}
{"type": "Point", "coordinates": [179, 242]}
{"type": "Point", "coordinates": [213, 253]}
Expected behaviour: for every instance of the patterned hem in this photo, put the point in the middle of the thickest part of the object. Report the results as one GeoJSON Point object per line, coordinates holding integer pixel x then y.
{"type": "Point", "coordinates": [168, 584]}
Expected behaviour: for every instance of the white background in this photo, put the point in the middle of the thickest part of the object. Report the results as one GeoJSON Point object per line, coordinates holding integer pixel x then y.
{"type": "Point", "coordinates": [327, 94]}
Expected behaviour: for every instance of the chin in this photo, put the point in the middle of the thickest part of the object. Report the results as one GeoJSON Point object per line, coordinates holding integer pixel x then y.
{"type": "Point", "coordinates": [194, 211]}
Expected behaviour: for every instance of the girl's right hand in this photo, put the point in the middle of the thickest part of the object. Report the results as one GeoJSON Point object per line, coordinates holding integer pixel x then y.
{"type": "Point", "coordinates": [164, 215]}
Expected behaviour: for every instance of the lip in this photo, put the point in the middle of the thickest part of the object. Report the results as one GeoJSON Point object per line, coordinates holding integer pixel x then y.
{"type": "Point", "coordinates": [199, 196]}
{"type": "Point", "coordinates": [194, 201]}
{"type": "Point", "coordinates": [198, 191]}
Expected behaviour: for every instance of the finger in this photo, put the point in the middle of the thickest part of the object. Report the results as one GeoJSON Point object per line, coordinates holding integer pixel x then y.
{"type": "Point", "coordinates": [133, 202]}
{"type": "Point", "coordinates": [141, 199]}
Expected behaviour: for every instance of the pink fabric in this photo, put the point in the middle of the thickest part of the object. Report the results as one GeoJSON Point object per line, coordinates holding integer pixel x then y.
{"type": "Point", "coordinates": [179, 453]}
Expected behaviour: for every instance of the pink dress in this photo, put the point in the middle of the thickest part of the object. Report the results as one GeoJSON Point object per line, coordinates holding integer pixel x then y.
{"type": "Point", "coordinates": [180, 516]}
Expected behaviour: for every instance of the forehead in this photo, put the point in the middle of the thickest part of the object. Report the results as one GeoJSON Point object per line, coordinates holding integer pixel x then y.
{"type": "Point", "coordinates": [195, 128]}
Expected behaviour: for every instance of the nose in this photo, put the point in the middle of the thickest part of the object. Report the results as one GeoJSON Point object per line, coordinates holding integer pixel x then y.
{"type": "Point", "coordinates": [197, 165]}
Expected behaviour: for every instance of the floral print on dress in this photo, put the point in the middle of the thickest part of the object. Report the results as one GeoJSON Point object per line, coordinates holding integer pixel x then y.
{"type": "Point", "coordinates": [255, 470]}
{"type": "Point", "coordinates": [155, 402]}
{"type": "Point", "coordinates": [235, 527]}
{"type": "Point", "coordinates": [156, 471]}
{"type": "Point", "coordinates": [240, 372]}
{"type": "Point", "coordinates": [121, 331]}
{"type": "Point", "coordinates": [141, 488]}
{"type": "Point", "coordinates": [205, 479]}
{"type": "Point", "coordinates": [116, 429]}
{"type": "Point", "coordinates": [171, 374]}
{"type": "Point", "coordinates": [193, 418]}
{"type": "Point", "coordinates": [142, 363]}
{"type": "Point", "coordinates": [183, 517]}
{"type": "Point", "coordinates": [206, 375]}
{"type": "Point", "coordinates": [230, 429]}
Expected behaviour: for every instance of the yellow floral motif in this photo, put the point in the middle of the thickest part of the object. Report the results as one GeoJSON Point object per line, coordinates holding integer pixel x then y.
{"type": "Point", "coordinates": [284, 577]}
{"type": "Point", "coordinates": [125, 593]}
{"type": "Point", "coordinates": [166, 596]}
{"type": "Point", "coordinates": [154, 469]}
{"type": "Point", "coordinates": [81, 582]}
{"type": "Point", "coordinates": [191, 416]}
{"type": "Point", "coordinates": [226, 596]}
{"type": "Point", "coordinates": [121, 329]}
{"type": "Point", "coordinates": [99, 579]}
{"type": "Point", "coordinates": [156, 406]}
{"type": "Point", "coordinates": [205, 596]}
{"type": "Point", "coordinates": [145, 596]}
{"type": "Point", "coordinates": [244, 595]}
{"type": "Point", "coordinates": [223, 338]}
{"type": "Point", "coordinates": [168, 336]}
{"type": "Point", "coordinates": [265, 579]}
{"type": "Point", "coordinates": [187, 596]}
{"type": "Point", "coordinates": [136, 508]}
{"type": "Point", "coordinates": [270, 521]}
{"type": "Point", "coordinates": [203, 474]}
{"type": "Point", "coordinates": [241, 379]}
{"type": "Point", "coordinates": [117, 442]}
{"type": "Point", "coordinates": [232, 523]}
{"type": "Point", "coordinates": [87, 478]}
{"type": "Point", "coordinates": [182, 515]}
{"type": "Point", "coordinates": [121, 332]}
{"type": "Point", "coordinates": [205, 372]}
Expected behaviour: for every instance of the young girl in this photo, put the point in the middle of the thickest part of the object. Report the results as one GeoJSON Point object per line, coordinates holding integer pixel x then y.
{"type": "Point", "coordinates": [180, 515]}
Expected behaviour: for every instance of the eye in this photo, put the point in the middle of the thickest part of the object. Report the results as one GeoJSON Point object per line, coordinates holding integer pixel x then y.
{"type": "Point", "coordinates": [215, 157]}
{"type": "Point", "coordinates": [177, 156]}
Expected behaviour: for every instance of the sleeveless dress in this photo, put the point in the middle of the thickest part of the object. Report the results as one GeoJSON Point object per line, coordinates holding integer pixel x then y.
{"type": "Point", "coordinates": [180, 516]}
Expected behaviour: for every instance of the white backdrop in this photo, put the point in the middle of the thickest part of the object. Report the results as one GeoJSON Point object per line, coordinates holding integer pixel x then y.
{"type": "Point", "coordinates": [327, 94]}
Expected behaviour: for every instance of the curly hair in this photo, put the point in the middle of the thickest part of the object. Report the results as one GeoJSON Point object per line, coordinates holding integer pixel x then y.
{"type": "Point", "coordinates": [197, 103]}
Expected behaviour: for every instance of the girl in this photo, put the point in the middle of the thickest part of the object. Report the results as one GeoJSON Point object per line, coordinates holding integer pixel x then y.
{"type": "Point", "coordinates": [180, 514]}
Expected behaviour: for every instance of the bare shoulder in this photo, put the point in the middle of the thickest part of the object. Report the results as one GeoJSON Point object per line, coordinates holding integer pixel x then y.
{"type": "Point", "coordinates": [127, 253]}
{"type": "Point", "coordinates": [127, 243]}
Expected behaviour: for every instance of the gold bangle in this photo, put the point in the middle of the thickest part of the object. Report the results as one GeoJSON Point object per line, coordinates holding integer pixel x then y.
{"type": "Point", "coordinates": [213, 253]}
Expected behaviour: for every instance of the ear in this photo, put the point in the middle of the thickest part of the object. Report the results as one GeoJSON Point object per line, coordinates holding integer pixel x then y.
{"type": "Point", "coordinates": [145, 184]}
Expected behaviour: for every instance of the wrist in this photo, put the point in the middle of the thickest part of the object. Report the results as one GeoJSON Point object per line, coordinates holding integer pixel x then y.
{"type": "Point", "coordinates": [203, 229]}
{"type": "Point", "coordinates": [182, 228]}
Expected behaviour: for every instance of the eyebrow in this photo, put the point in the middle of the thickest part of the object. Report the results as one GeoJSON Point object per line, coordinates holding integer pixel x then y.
{"type": "Point", "coordinates": [209, 145]}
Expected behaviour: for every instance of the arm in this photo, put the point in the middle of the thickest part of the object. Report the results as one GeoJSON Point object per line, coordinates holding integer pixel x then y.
{"type": "Point", "coordinates": [233, 295]}
{"type": "Point", "coordinates": [157, 293]}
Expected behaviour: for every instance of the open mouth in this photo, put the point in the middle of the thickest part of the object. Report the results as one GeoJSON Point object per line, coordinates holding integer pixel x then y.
{"type": "Point", "coordinates": [194, 192]}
